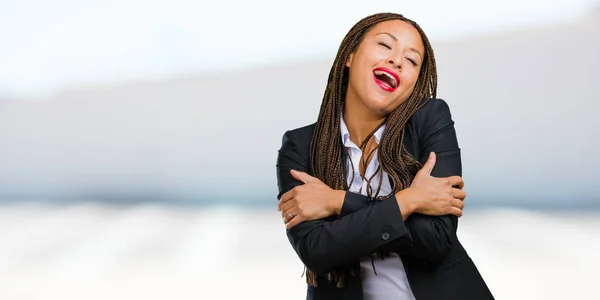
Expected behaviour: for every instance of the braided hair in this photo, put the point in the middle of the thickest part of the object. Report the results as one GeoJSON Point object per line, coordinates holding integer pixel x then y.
{"type": "Point", "coordinates": [326, 156]}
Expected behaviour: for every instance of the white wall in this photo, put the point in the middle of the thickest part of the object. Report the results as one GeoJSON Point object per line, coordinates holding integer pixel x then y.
{"type": "Point", "coordinates": [48, 45]}
{"type": "Point", "coordinates": [524, 101]}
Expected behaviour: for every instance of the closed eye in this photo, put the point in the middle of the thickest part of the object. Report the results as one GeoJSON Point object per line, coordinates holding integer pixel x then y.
{"type": "Point", "coordinates": [414, 63]}
{"type": "Point", "coordinates": [385, 45]}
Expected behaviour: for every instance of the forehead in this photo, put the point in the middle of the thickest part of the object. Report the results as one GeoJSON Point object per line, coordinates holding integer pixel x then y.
{"type": "Point", "coordinates": [402, 30]}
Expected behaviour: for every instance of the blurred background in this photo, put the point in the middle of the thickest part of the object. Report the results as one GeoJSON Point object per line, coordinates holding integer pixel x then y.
{"type": "Point", "coordinates": [139, 141]}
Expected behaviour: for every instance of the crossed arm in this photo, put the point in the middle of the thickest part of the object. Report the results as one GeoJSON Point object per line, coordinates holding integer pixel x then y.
{"type": "Point", "coordinates": [359, 227]}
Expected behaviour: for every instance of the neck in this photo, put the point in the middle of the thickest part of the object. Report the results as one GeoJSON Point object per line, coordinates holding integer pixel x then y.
{"type": "Point", "coordinates": [360, 121]}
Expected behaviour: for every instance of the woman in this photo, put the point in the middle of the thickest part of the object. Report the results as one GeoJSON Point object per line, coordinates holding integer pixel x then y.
{"type": "Point", "coordinates": [370, 193]}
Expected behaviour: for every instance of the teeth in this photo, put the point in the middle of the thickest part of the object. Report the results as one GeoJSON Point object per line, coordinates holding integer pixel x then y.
{"type": "Point", "coordinates": [392, 78]}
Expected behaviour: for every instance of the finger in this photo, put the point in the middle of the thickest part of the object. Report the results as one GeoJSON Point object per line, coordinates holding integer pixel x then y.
{"type": "Point", "coordinates": [429, 164]}
{"type": "Point", "coordinates": [456, 181]}
{"type": "Point", "coordinates": [456, 211]}
{"type": "Point", "coordinates": [286, 217]}
{"type": "Point", "coordinates": [288, 205]}
{"type": "Point", "coordinates": [459, 194]}
{"type": "Point", "coordinates": [288, 214]}
{"type": "Point", "coordinates": [293, 222]}
{"type": "Point", "coordinates": [301, 176]}
{"type": "Point", "coordinates": [457, 203]}
{"type": "Point", "coordinates": [289, 195]}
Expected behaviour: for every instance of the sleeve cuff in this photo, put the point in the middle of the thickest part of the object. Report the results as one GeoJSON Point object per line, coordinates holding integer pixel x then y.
{"type": "Point", "coordinates": [392, 225]}
{"type": "Point", "coordinates": [353, 202]}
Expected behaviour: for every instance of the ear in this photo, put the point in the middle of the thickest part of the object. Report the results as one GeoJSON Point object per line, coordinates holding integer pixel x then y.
{"type": "Point", "coordinates": [349, 61]}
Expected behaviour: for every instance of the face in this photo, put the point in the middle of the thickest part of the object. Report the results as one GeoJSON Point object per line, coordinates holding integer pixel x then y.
{"type": "Point", "coordinates": [385, 66]}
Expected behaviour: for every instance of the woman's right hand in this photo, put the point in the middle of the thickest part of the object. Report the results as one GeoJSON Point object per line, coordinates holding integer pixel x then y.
{"type": "Point", "coordinates": [432, 196]}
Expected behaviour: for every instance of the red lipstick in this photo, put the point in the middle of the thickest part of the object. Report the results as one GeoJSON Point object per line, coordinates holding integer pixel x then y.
{"type": "Point", "coordinates": [386, 79]}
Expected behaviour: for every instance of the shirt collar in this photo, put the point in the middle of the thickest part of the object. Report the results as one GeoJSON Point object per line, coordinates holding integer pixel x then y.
{"type": "Point", "coordinates": [346, 134]}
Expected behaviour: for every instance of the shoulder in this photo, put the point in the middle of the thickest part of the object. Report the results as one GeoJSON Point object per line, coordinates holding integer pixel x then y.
{"type": "Point", "coordinates": [295, 147]}
{"type": "Point", "coordinates": [432, 118]}
{"type": "Point", "coordinates": [298, 138]}
{"type": "Point", "coordinates": [433, 113]}
{"type": "Point", "coordinates": [300, 134]}
{"type": "Point", "coordinates": [433, 108]}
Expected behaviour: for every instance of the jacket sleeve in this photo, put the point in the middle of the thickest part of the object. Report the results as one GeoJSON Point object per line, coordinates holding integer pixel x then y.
{"type": "Point", "coordinates": [326, 244]}
{"type": "Point", "coordinates": [431, 236]}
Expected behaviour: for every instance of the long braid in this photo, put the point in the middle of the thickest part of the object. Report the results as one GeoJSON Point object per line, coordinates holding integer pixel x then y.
{"type": "Point", "coordinates": [402, 169]}
{"type": "Point", "coordinates": [326, 145]}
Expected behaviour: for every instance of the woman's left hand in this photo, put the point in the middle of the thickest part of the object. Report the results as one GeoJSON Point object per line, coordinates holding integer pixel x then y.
{"type": "Point", "coordinates": [311, 201]}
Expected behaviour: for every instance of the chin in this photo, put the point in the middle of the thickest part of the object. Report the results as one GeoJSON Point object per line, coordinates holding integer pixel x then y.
{"type": "Point", "coordinates": [382, 106]}
{"type": "Point", "coordinates": [378, 107]}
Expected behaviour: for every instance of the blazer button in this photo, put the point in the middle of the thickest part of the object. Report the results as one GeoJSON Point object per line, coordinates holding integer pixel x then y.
{"type": "Point", "coordinates": [385, 236]}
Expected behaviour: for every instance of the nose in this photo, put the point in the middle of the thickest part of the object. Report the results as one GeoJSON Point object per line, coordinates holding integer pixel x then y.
{"type": "Point", "coordinates": [397, 63]}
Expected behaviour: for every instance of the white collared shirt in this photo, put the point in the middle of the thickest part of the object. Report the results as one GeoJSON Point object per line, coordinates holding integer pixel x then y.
{"type": "Point", "coordinates": [391, 281]}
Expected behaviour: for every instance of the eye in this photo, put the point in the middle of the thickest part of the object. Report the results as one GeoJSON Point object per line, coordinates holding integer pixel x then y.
{"type": "Point", "coordinates": [412, 61]}
{"type": "Point", "coordinates": [385, 45]}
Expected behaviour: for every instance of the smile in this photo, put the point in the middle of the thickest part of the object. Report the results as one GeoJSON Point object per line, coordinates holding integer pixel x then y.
{"type": "Point", "coordinates": [386, 79]}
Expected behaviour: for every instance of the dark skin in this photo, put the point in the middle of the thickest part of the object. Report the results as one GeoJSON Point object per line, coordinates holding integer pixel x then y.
{"type": "Point", "coordinates": [366, 159]}
{"type": "Point", "coordinates": [396, 46]}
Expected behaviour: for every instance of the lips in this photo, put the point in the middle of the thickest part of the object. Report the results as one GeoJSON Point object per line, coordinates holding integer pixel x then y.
{"type": "Point", "coordinates": [386, 79]}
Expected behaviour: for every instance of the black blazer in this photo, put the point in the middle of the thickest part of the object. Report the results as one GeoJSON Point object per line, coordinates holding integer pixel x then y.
{"type": "Point", "coordinates": [436, 264]}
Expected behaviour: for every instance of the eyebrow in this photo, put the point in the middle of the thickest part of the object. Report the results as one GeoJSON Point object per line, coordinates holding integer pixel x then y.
{"type": "Point", "coordinates": [396, 39]}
